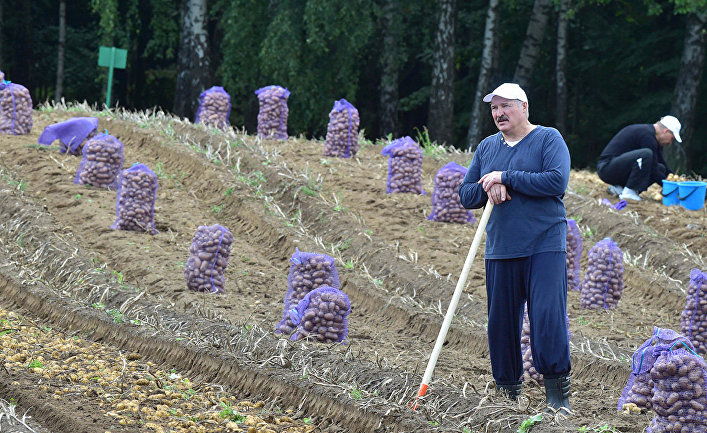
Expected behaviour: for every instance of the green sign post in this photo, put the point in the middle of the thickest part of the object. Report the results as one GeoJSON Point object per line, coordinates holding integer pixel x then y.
{"type": "Point", "coordinates": [111, 57]}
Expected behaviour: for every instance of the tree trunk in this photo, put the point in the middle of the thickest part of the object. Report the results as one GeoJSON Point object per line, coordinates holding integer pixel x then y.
{"type": "Point", "coordinates": [531, 45]}
{"type": "Point", "coordinates": [390, 63]}
{"type": "Point", "coordinates": [476, 123]}
{"type": "Point", "coordinates": [193, 64]}
{"type": "Point", "coordinates": [561, 69]}
{"type": "Point", "coordinates": [687, 88]}
{"type": "Point", "coordinates": [440, 118]}
{"type": "Point", "coordinates": [60, 52]}
{"type": "Point", "coordinates": [2, 25]}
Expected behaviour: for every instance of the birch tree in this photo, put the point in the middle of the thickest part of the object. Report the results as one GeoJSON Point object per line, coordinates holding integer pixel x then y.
{"type": "Point", "coordinates": [59, 92]}
{"type": "Point", "coordinates": [441, 111]}
{"type": "Point", "coordinates": [193, 75]}
{"type": "Point", "coordinates": [561, 68]}
{"type": "Point", "coordinates": [531, 44]}
{"type": "Point", "coordinates": [475, 131]}
{"type": "Point", "coordinates": [390, 65]}
{"type": "Point", "coordinates": [687, 85]}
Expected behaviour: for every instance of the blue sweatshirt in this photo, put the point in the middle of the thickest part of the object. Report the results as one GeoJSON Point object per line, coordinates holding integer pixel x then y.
{"type": "Point", "coordinates": [536, 172]}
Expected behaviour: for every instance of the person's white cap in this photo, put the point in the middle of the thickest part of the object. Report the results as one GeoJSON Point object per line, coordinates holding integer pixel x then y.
{"type": "Point", "coordinates": [509, 91]}
{"type": "Point", "coordinates": [673, 125]}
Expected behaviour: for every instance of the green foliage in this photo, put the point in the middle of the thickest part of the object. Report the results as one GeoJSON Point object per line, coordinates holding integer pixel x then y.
{"type": "Point", "coordinates": [230, 414]}
{"type": "Point", "coordinates": [528, 424]}
{"type": "Point", "coordinates": [35, 364]}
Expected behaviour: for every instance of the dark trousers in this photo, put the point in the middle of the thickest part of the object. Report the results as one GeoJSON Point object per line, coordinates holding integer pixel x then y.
{"type": "Point", "coordinates": [541, 280]}
{"type": "Point", "coordinates": [625, 170]}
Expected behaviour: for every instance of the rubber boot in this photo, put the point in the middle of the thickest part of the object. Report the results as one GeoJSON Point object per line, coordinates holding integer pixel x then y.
{"type": "Point", "coordinates": [512, 391]}
{"type": "Point", "coordinates": [557, 394]}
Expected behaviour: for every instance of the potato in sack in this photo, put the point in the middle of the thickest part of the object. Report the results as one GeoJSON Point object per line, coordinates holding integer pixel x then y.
{"type": "Point", "coordinates": [308, 271]}
{"type": "Point", "coordinates": [322, 316]}
{"type": "Point", "coordinates": [404, 166]}
{"type": "Point", "coordinates": [342, 131]}
{"type": "Point", "coordinates": [135, 202]}
{"type": "Point", "coordinates": [208, 259]}
{"type": "Point", "coordinates": [693, 319]}
{"type": "Point", "coordinates": [214, 107]}
{"type": "Point", "coordinates": [446, 205]}
{"type": "Point", "coordinates": [101, 163]}
{"type": "Point", "coordinates": [272, 116]}
{"type": "Point", "coordinates": [603, 281]}
{"type": "Point", "coordinates": [15, 109]}
{"type": "Point", "coordinates": [574, 254]}
{"type": "Point", "coordinates": [679, 376]}
{"type": "Point", "coordinates": [72, 134]}
{"type": "Point", "coordinates": [639, 387]}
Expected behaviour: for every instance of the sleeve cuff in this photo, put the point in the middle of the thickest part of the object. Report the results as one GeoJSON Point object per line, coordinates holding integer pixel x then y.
{"type": "Point", "coordinates": [505, 179]}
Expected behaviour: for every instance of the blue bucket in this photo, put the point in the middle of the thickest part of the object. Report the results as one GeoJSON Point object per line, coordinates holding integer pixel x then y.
{"type": "Point", "coordinates": [670, 193]}
{"type": "Point", "coordinates": [692, 194]}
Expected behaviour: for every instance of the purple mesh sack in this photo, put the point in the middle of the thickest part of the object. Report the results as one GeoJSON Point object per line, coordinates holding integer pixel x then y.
{"type": "Point", "coordinates": [208, 258]}
{"type": "Point", "coordinates": [135, 203]}
{"type": "Point", "coordinates": [679, 401]}
{"type": "Point", "coordinates": [603, 281]}
{"type": "Point", "coordinates": [214, 107]}
{"type": "Point", "coordinates": [529, 371]}
{"type": "Point", "coordinates": [15, 109]}
{"type": "Point", "coordinates": [574, 254]}
{"type": "Point", "coordinates": [72, 134]}
{"type": "Point", "coordinates": [322, 315]}
{"type": "Point", "coordinates": [342, 131]}
{"type": "Point", "coordinates": [101, 163]}
{"type": "Point", "coordinates": [308, 271]}
{"type": "Point", "coordinates": [404, 166]}
{"type": "Point", "coordinates": [693, 320]}
{"type": "Point", "coordinates": [639, 387]}
{"type": "Point", "coordinates": [446, 205]}
{"type": "Point", "coordinates": [272, 117]}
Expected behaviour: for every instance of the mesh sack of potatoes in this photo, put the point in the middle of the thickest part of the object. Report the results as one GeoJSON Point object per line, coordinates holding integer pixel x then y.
{"type": "Point", "coordinates": [639, 387]}
{"type": "Point", "coordinates": [693, 319]}
{"type": "Point", "coordinates": [446, 205]}
{"type": "Point", "coordinates": [214, 107]}
{"type": "Point", "coordinates": [342, 131]}
{"type": "Point", "coordinates": [603, 281]}
{"type": "Point", "coordinates": [404, 166]}
{"type": "Point", "coordinates": [574, 254]}
{"type": "Point", "coordinates": [308, 271]}
{"type": "Point", "coordinates": [101, 163]}
{"type": "Point", "coordinates": [322, 316]}
{"type": "Point", "coordinates": [72, 134]}
{"type": "Point", "coordinates": [272, 116]}
{"type": "Point", "coordinates": [135, 202]}
{"type": "Point", "coordinates": [208, 258]}
{"type": "Point", "coordinates": [15, 109]}
{"type": "Point", "coordinates": [679, 400]}
{"type": "Point", "coordinates": [529, 371]}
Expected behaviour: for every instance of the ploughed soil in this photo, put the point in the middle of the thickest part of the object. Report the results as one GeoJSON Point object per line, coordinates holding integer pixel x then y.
{"type": "Point", "coordinates": [66, 267]}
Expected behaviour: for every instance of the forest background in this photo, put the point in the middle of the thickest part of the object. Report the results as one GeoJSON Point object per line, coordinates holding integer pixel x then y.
{"type": "Point", "coordinates": [411, 67]}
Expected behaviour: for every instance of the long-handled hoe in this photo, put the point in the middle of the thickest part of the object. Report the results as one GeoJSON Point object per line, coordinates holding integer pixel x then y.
{"type": "Point", "coordinates": [453, 303]}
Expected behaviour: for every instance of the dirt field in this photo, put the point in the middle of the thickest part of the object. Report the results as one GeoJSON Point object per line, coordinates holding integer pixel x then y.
{"type": "Point", "coordinates": [66, 269]}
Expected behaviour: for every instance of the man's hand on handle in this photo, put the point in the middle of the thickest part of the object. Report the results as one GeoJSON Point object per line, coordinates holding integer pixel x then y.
{"type": "Point", "coordinates": [496, 191]}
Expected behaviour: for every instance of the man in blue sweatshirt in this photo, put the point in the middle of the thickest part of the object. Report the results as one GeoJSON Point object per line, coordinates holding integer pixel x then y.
{"type": "Point", "coordinates": [524, 170]}
{"type": "Point", "coordinates": [633, 159]}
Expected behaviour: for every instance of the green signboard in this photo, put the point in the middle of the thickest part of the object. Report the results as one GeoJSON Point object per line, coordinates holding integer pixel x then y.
{"type": "Point", "coordinates": [111, 57]}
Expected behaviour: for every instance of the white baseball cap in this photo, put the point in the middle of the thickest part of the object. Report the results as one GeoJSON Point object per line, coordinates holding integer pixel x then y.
{"type": "Point", "coordinates": [513, 91]}
{"type": "Point", "coordinates": [673, 125]}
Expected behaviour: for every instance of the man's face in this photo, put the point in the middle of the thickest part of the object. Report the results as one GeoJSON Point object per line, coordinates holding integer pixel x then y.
{"type": "Point", "coordinates": [507, 113]}
{"type": "Point", "coordinates": [665, 136]}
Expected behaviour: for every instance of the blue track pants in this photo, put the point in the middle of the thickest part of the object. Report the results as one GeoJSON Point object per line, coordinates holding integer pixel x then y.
{"type": "Point", "coordinates": [541, 281]}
